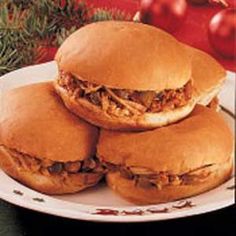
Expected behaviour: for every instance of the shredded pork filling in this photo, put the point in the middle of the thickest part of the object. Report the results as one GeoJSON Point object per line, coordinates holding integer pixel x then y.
{"type": "Point", "coordinates": [48, 167]}
{"type": "Point", "coordinates": [214, 103]}
{"type": "Point", "coordinates": [147, 178]}
{"type": "Point", "coordinates": [123, 102]}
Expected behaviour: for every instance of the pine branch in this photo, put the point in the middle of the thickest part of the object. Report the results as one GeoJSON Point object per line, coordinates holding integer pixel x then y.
{"type": "Point", "coordinates": [26, 25]}
{"type": "Point", "coordinates": [104, 14]}
{"type": "Point", "coordinates": [48, 19]}
{"type": "Point", "coordinates": [17, 47]}
{"type": "Point", "coordinates": [22, 4]}
{"type": "Point", "coordinates": [16, 50]}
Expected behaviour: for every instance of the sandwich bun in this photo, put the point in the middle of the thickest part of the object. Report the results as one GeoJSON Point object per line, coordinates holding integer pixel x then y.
{"type": "Point", "coordinates": [125, 56]}
{"type": "Point", "coordinates": [37, 128]}
{"type": "Point", "coordinates": [141, 196]}
{"type": "Point", "coordinates": [96, 116]}
{"type": "Point", "coordinates": [201, 142]}
{"type": "Point", "coordinates": [48, 184]}
{"type": "Point", "coordinates": [208, 75]}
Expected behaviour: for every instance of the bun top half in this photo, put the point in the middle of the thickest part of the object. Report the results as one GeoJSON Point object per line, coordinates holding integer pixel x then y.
{"type": "Point", "coordinates": [34, 121]}
{"type": "Point", "coordinates": [207, 73]}
{"type": "Point", "coordinates": [125, 55]}
{"type": "Point", "coordinates": [200, 139]}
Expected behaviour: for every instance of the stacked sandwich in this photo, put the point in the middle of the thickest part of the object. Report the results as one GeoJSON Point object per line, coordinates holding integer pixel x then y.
{"type": "Point", "coordinates": [131, 104]}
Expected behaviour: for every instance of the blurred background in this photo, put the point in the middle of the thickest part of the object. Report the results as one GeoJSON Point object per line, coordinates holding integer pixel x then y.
{"type": "Point", "coordinates": [31, 30]}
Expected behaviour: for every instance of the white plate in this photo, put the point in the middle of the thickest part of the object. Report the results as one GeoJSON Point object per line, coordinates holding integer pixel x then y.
{"type": "Point", "coordinates": [100, 203]}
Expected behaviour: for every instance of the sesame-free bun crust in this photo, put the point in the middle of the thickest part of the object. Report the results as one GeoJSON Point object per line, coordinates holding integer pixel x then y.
{"type": "Point", "coordinates": [125, 55]}
{"type": "Point", "coordinates": [127, 189]}
{"type": "Point", "coordinates": [200, 139]}
{"type": "Point", "coordinates": [95, 115]}
{"type": "Point", "coordinates": [207, 74]}
{"type": "Point", "coordinates": [52, 184]}
{"type": "Point", "coordinates": [34, 121]}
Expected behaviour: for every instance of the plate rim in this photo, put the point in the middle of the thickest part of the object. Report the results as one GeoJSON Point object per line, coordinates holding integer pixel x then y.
{"type": "Point", "coordinates": [80, 215]}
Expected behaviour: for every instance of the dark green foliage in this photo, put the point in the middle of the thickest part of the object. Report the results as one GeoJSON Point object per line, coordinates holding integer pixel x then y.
{"type": "Point", "coordinates": [16, 44]}
{"type": "Point", "coordinates": [25, 25]}
{"type": "Point", "coordinates": [101, 14]}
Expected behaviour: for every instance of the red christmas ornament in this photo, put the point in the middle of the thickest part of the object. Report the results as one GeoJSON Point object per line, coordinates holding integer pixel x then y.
{"type": "Point", "coordinates": [165, 14]}
{"type": "Point", "coordinates": [222, 32]}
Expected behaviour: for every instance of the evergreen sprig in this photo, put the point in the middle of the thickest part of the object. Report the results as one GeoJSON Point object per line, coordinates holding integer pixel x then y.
{"type": "Point", "coordinates": [16, 45]}
{"type": "Point", "coordinates": [104, 14]}
{"type": "Point", "coordinates": [16, 50]}
{"type": "Point", "coordinates": [26, 25]}
{"type": "Point", "coordinates": [22, 4]}
{"type": "Point", "coordinates": [51, 19]}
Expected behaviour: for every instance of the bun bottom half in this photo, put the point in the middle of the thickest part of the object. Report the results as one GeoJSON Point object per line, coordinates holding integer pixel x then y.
{"type": "Point", "coordinates": [143, 196]}
{"type": "Point", "coordinates": [206, 97]}
{"type": "Point", "coordinates": [93, 114]}
{"type": "Point", "coordinates": [52, 184]}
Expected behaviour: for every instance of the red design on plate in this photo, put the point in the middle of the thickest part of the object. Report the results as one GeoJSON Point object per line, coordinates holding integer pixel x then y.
{"type": "Point", "coordinates": [139, 212]}
{"type": "Point", "coordinates": [134, 212]}
{"type": "Point", "coordinates": [186, 204]}
{"type": "Point", "coordinates": [106, 212]}
{"type": "Point", "coordinates": [155, 211]}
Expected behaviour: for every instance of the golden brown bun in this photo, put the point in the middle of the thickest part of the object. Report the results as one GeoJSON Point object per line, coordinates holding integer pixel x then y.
{"type": "Point", "coordinates": [125, 55]}
{"type": "Point", "coordinates": [34, 121]}
{"type": "Point", "coordinates": [97, 116]}
{"type": "Point", "coordinates": [200, 139]}
{"type": "Point", "coordinates": [127, 189]}
{"type": "Point", "coordinates": [53, 184]}
{"type": "Point", "coordinates": [208, 75]}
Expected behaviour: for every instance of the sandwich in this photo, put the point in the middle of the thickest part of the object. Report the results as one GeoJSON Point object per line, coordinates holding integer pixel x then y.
{"type": "Point", "coordinates": [168, 163]}
{"type": "Point", "coordinates": [208, 77]}
{"type": "Point", "coordinates": [44, 146]}
{"type": "Point", "coordinates": [125, 76]}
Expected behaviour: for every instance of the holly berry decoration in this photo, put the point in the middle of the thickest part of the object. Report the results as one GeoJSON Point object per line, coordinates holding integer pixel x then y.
{"type": "Point", "coordinates": [222, 32]}
{"type": "Point", "coordinates": [200, 2]}
{"type": "Point", "coordinates": [165, 14]}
